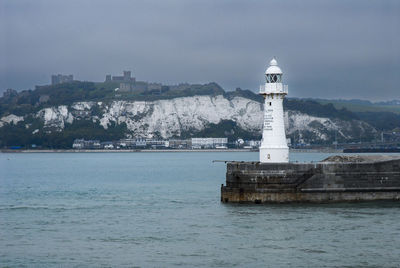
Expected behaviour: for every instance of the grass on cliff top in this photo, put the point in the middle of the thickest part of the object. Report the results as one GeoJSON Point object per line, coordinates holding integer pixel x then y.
{"type": "Point", "coordinates": [362, 107]}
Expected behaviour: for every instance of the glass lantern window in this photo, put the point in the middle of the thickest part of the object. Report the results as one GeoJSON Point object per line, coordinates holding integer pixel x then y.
{"type": "Point", "coordinates": [274, 78]}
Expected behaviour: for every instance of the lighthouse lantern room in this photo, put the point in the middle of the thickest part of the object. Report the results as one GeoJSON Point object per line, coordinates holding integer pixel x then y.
{"type": "Point", "coordinates": [274, 147]}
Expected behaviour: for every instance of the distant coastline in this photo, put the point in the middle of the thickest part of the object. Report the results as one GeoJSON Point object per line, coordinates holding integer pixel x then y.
{"type": "Point", "coordinates": [327, 150]}
{"type": "Point", "coordinates": [123, 151]}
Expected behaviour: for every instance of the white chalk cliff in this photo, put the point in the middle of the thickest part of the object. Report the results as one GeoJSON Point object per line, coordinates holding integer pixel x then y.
{"type": "Point", "coordinates": [168, 118]}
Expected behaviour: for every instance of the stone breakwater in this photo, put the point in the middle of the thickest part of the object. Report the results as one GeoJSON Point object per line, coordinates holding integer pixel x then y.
{"type": "Point", "coordinates": [335, 179]}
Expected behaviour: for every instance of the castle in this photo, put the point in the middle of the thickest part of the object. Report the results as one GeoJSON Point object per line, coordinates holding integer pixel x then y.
{"type": "Point", "coordinates": [127, 83]}
{"type": "Point", "coordinates": [60, 78]}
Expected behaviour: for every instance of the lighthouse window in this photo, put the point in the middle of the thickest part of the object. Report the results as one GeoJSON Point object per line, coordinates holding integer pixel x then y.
{"type": "Point", "coordinates": [269, 103]}
{"type": "Point", "coordinates": [274, 78]}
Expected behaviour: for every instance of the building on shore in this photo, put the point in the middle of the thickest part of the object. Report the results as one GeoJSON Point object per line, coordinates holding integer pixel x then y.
{"type": "Point", "coordinates": [86, 144]}
{"type": "Point", "coordinates": [180, 144]}
{"type": "Point", "coordinates": [108, 145]}
{"type": "Point", "coordinates": [209, 143]}
{"type": "Point", "coordinates": [143, 143]}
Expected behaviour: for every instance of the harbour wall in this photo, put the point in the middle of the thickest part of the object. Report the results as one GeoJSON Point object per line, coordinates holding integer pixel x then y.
{"type": "Point", "coordinates": [255, 182]}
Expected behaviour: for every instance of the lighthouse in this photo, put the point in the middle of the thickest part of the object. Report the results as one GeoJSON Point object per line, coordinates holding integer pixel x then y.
{"type": "Point", "coordinates": [275, 180]}
{"type": "Point", "coordinates": [274, 147]}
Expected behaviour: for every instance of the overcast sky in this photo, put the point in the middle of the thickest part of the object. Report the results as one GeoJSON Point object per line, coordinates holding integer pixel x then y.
{"type": "Point", "coordinates": [326, 49]}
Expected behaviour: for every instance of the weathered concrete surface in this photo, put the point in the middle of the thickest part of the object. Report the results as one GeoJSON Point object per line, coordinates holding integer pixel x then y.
{"type": "Point", "coordinates": [333, 180]}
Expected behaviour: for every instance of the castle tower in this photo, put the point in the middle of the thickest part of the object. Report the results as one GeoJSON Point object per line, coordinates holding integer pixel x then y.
{"type": "Point", "coordinates": [273, 148]}
{"type": "Point", "coordinates": [127, 75]}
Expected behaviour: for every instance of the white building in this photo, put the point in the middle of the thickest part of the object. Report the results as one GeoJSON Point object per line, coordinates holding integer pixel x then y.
{"type": "Point", "coordinates": [83, 144]}
{"type": "Point", "coordinates": [206, 143]}
{"type": "Point", "coordinates": [78, 144]}
{"type": "Point", "coordinates": [273, 147]}
{"type": "Point", "coordinates": [254, 144]}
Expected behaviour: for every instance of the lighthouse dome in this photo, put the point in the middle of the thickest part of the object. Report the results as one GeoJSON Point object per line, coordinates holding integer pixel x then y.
{"type": "Point", "coordinates": [273, 67]}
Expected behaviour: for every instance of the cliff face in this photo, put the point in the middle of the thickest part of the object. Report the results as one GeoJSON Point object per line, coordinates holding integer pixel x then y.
{"type": "Point", "coordinates": [171, 118]}
{"type": "Point", "coordinates": [306, 128]}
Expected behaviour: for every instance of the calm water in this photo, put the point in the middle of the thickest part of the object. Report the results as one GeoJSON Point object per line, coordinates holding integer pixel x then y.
{"type": "Point", "coordinates": [163, 209]}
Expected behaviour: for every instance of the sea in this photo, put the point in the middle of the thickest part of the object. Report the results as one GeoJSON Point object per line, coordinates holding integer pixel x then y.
{"type": "Point", "coordinates": [163, 209]}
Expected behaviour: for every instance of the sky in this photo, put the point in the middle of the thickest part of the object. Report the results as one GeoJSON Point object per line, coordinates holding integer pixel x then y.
{"type": "Point", "coordinates": [326, 49]}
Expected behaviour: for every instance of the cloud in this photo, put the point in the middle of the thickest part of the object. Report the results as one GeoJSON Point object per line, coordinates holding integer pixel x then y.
{"type": "Point", "coordinates": [337, 49]}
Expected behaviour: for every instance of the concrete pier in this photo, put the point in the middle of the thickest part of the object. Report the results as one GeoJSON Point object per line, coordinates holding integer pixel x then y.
{"type": "Point", "coordinates": [335, 179]}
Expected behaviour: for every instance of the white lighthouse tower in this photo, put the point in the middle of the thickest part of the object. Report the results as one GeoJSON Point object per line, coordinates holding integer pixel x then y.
{"type": "Point", "coordinates": [273, 148]}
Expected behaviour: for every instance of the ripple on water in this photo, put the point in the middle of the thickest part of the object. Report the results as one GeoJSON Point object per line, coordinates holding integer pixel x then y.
{"type": "Point", "coordinates": [316, 251]}
{"type": "Point", "coordinates": [133, 212]}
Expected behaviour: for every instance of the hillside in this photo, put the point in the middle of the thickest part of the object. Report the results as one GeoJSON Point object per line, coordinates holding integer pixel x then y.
{"type": "Point", "coordinates": [360, 106]}
{"type": "Point", "coordinates": [384, 116]}
{"type": "Point", "coordinates": [53, 116]}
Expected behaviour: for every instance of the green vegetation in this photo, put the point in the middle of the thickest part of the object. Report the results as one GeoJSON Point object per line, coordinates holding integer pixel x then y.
{"type": "Point", "coordinates": [317, 109]}
{"type": "Point", "coordinates": [20, 135]}
{"type": "Point", "coordinates": [30, 101]}
{"type": "Point", "coordinates": [381, 120]}
{"type": "Point", "coordinates": [244, 94]}
{"type": "Point", "coordinates": [382, 116]}
{"type": "Point", "coordinates": [225, 128]}
{"type": "Point", "coordinates": [211, 89]}
{"type": "Point", "coordinates": [358, 106]}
